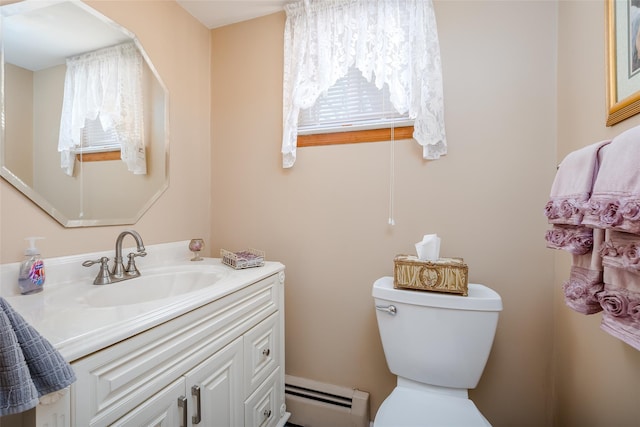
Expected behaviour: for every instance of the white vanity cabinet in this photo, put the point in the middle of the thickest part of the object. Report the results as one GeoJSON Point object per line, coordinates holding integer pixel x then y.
{"type": "Point", "coordinates": [221, 364]}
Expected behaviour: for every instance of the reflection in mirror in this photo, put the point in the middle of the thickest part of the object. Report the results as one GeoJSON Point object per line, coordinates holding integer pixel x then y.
{"type": "Point", "coordinates": [38, 37]}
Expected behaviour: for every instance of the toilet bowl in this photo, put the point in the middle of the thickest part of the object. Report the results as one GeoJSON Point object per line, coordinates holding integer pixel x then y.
{"type": "Point", "coordinates": [406, 407]}
{"type": "Point", "coordinates": [438, 345]}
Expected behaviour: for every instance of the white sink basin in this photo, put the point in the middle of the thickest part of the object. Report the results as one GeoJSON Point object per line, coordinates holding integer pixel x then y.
{"type": "Point", "coordinates": [153, 284]}
{"type": "Point", "coordinates": [164, 282]}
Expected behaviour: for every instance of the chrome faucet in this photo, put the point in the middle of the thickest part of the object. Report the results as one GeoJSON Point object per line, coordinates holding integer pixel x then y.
{"type": "Point", "coordinates": [119, 271]}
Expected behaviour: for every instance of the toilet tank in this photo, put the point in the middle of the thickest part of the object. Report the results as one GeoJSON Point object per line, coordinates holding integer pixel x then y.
{"type": "Point", "coordinates": [437, 338]}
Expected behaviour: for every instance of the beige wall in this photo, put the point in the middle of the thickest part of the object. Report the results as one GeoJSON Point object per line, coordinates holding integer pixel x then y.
{"type": "Point", "coordinates": [18, 153]}
{"type": "Point", "coordinates": [326, 218]}
{"type": "Point", "coordinates": [49, 178]}
{"type": "Point", "coordinates": [596, 375]}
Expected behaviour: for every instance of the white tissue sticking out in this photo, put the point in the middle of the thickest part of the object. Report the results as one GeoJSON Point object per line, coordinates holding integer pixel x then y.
{"type": "Point", "coordinates": [429, 248]}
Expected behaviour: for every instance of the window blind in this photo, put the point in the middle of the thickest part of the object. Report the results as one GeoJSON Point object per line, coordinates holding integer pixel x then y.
{"type": "Point", "coordinates": [97, 140]}
{"type": "Point", "coordinates": [352, 103]}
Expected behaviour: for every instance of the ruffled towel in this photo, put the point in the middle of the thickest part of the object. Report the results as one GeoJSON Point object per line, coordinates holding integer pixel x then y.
{"type": "Point", "coordinates": [573, 185]}
{"type": "Point", "coordinates": [615, 206]}
{"type": "Point", "coordinates": [585, 281]}
{"type": "Point", "coordinates": [620, 298]}
{"type": "Point", "coordinates": [30, 367]}
{"type": "Point", "coordinates": [570, 194]}
{"type": "Point", "coordinates": [615, 199]}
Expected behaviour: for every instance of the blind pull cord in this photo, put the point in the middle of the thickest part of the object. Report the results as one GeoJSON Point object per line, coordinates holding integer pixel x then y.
{"type": "Point", "coordinates": [392, 221]}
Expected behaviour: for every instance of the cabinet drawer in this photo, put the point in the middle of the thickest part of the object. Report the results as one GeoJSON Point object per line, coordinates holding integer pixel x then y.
{"type": "Point", "coordinates": [262, 409]}
{"type": "Point", "coordinates": [261, 352]}
{"type": "Point", "coordinates": [115, 380]}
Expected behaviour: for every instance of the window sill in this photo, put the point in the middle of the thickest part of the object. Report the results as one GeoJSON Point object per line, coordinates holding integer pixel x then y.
{"type": "Point", "coordinates": [98, 157]}
{"type": "Point", "coordinates": [355, 137]}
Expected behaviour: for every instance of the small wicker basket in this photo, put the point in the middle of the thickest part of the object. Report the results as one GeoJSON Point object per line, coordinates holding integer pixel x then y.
{"type": "Point", "coordinates": [243, 259]}
{"type": "Point", "coordinates": [449, 275]}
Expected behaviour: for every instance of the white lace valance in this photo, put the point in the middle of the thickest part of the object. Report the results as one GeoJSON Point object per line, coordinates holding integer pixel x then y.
{"type": "Point", "coordinates": [105, 85]}
{"type": "Point", "coordinates": [394, 42]}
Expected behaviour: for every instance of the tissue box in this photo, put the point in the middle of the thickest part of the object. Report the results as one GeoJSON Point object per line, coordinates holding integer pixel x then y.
{"type": "Point", "coordinates": [449, 275]}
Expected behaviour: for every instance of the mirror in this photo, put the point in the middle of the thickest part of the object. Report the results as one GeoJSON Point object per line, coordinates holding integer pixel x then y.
{"type": "Point", "coordinates": [37, 38]}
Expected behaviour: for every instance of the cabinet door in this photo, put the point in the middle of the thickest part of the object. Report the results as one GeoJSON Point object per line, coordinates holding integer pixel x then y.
{"type": "Point", "coordinates": [56, 414]}
{"type": "Point", "coordinates": [219, 385]}
{"type": "Point", "coordinates": [161, 410]}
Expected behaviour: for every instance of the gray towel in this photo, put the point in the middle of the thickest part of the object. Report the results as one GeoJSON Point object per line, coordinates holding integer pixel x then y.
{"type": "Point", "coordinates": [30, 366]}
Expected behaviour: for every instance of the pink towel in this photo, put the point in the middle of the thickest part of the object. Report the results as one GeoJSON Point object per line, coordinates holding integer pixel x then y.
{"type": "Point", "coordinates": [615, 199]}
{"type": "Point", "coordinates": [620, 298]}
{"type": "Point", "coordinates": [597, 188]}
{"type": "Point", "coordinates": [573, 184]}
{"type": "Point", "coordinates": [585, 283]}
{"type": "Point", "coordinates": [574, 239]}
{"type": "Point", "coordinates": [582, 289]}
{"type": "Point", "coordinates": [620, 301]}
{"type": "Point", "coordinates": [569, 195]}
{"type": "Point", "coordinates": [621, 251]}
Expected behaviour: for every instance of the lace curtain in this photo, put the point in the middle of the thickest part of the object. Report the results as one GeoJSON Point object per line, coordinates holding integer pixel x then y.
{"type": "Point", "coordinates": [105, 85]}
{"type": "Point", "coordinates": [394, 42]}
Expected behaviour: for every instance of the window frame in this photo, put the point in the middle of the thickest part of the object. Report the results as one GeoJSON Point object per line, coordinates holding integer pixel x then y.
{"type": "Point", "coordinates": [355, 137]}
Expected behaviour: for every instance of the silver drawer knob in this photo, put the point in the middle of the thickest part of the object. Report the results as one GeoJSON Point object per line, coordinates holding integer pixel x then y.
{"type": "Point", "coordinates": [266, 352]}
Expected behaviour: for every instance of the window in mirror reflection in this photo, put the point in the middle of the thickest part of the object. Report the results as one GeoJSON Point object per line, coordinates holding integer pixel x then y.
{"type": "Point", "coordinates": [98, 144]}
{"type": "Point", "coordinates": [102, 107]}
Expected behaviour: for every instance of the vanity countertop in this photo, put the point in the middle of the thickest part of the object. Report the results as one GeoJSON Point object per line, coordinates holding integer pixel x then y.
{"type": "Point", "coordinates": [76, 329]}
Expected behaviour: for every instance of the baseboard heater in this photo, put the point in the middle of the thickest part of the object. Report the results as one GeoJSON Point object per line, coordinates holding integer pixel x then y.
{"type": "Point", "coordinates": [315, 404]}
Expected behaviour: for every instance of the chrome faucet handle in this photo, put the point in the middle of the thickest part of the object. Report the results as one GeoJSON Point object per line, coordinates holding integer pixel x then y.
{"type": "Point", "coordinates": [131, 269]}
{"type": "Point", "coordinates": [103, 277]}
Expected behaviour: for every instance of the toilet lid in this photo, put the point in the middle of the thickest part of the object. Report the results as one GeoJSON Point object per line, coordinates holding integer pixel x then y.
{"type": "Point", "coordinates": [407, 407]}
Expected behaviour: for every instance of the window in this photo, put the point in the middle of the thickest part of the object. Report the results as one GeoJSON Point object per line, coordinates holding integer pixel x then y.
{"type": "Point", "coordinates": [97, 144]}
{"type": "Point", "coordinates": [95, 139]}
{"type": "Point", "coordinates": [352, 110]}
{"type": "Point", "coordinates": [106, 83]}
{"type": "Point", "coordinates": [395, 41]}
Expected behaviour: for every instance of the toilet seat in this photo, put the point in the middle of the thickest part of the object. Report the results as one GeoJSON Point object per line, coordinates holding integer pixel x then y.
{"type": "Point", "coordinates": [406, 407]}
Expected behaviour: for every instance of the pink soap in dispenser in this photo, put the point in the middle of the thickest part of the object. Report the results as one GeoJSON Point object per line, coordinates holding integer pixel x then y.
{"type": "Point", "coordinates": [31, 278]}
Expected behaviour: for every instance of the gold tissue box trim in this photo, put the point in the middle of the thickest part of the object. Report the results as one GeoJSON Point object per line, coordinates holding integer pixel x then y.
{"type": "Point", "coordinates": [449, 275]}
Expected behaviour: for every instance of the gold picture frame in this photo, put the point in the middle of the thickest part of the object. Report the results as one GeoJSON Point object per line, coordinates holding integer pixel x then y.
{"type": "Point", "coordinates": [623, 59]}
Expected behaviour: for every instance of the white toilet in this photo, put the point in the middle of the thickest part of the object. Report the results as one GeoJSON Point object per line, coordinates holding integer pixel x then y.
{"type": "Point", "coordinates": [437, 344]}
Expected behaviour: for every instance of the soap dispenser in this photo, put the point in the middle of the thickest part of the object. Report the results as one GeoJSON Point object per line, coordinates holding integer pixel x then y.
{"type": "Point", "coordinates": [31, 278]}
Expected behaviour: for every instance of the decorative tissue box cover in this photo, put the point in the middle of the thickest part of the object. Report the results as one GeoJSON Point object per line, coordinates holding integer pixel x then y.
{"type": "Point", "coordinates": [449, 275]}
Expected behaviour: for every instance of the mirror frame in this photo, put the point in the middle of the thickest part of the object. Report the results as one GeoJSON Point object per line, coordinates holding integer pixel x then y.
{"type": "Point", "coordinates": [42, 201]}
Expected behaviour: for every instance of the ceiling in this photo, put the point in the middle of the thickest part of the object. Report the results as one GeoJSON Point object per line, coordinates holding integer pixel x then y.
{"type": "Point", "coordinates": [41, 34]}
{"type": "Point", "coordinates": [217, 13]}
